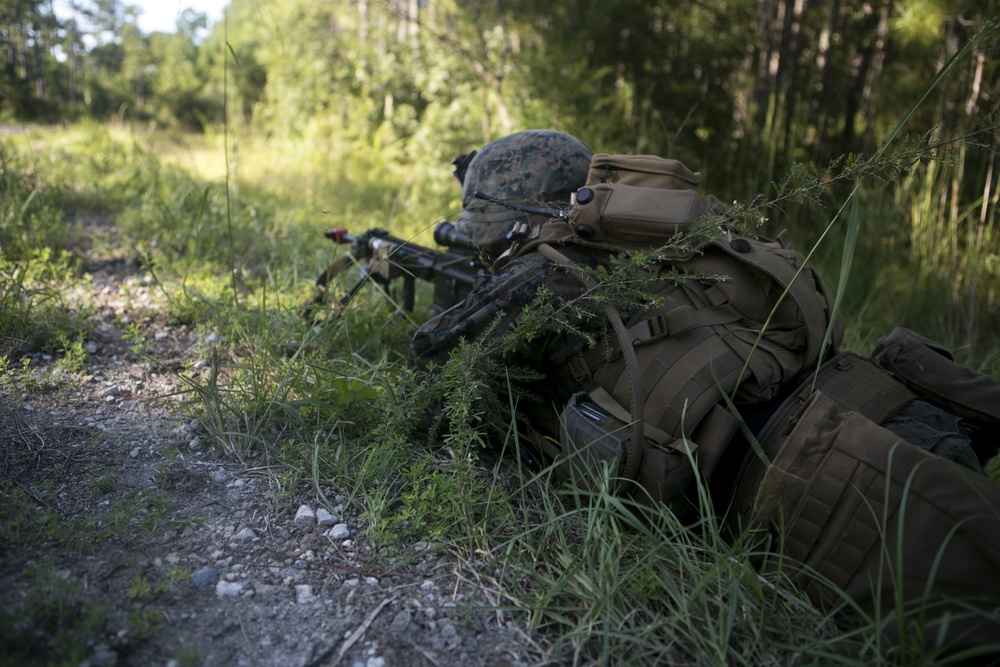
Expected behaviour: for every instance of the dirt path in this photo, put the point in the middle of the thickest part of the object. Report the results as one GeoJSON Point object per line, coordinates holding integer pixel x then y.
{"type": "Point", "coordinates": [125, 539]}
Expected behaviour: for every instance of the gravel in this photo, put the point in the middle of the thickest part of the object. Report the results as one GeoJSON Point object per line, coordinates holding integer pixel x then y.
{"type": "Point", "coordinates": [236, 572]}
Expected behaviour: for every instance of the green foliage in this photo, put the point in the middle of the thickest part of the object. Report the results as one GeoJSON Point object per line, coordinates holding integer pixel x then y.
{"type": "Point", "coordinates": [136, 339]}
{"type": "Point", "coordinates": [143, 590]}
{"type": "Point", "coordinates": [187, 657]}
{"type": "Point", "coordinates": [52, 623]}
{"type": "Point", "coordinates": [635, 586]}
{"type": "Point", "coordinates": [145, 622]}
{"type": "Point", "coordinates": [35, 314]}
{"type": "Point", "coordinates": [356, 129]}
{"type": "Point", "coordinates": [103, 484]}
{"type": "Point", "coordinates": [29, 214]}
{"type": "Point", "coordinates": [24, 520]}
{"type": "Point", "coordinates": [74, 359]}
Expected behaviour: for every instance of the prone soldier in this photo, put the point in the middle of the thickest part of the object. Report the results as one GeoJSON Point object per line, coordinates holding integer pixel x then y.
{"type": "Point", "coordinates": [867, 471]}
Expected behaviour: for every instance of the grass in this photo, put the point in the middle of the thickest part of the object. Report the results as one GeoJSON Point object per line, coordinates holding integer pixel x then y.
{"type": "Point", "coordinates": [52, 619]}
{"type": "Point", "coordinates": [52, 623]}
{"type": "Point", "coordinates": [601, 581]}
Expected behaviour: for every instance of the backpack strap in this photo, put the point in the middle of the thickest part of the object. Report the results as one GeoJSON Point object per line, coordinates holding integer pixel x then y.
{"type": "Point", "coordinates": [631, 456]}
{"type": "Point", "coordinates": [787, 268]}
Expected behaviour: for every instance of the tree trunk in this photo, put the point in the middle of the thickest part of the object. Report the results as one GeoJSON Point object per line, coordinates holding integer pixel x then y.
{"type": "Point", "coordinates": [362, 22]}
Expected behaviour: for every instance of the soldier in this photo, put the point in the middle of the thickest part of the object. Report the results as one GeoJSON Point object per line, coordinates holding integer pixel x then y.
{"type": "Point", "coordinates": [870, 486]}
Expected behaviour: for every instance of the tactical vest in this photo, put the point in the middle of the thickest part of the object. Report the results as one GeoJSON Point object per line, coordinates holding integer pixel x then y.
{"type": "Point", "coordinates": [655, 389]}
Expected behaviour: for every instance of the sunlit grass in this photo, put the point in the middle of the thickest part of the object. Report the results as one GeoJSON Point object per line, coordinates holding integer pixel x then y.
{"type": "Point", "coordinates": [337, 404]}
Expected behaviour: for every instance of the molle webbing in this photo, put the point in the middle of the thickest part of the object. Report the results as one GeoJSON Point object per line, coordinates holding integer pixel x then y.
{"type": "Point", "coordinates": [632, 453]}
{"type": "Point", "coordinates": [864, 517]}
{"type": "Point", "coordinates": [858, 385]}
{"type": "Point", "coordinates": [852, 383]}
{"type": "Point", "coordinates": [704, 341]}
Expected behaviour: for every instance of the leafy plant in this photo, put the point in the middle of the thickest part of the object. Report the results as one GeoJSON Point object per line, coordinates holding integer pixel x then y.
{"type": "Point", "coordinates": [145, 622]}
{"type": "Point", "coordinates": [52, 623]}
{"type": "Point", "coordinates": [34, 313]}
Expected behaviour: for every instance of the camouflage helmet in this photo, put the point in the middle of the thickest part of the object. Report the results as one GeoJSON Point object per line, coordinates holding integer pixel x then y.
{"type": "Point", "coordinates": [530, 167]}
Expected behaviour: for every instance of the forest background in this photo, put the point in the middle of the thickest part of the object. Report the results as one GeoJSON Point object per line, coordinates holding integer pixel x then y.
{"type": "Point", "coordinates": [363, 104]}
{"type": "Point", "coordinates": [222, 153]}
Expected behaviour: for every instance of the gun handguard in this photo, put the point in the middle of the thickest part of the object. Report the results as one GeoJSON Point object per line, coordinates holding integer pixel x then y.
{"type": "Point", "coordinates": [453, 271]}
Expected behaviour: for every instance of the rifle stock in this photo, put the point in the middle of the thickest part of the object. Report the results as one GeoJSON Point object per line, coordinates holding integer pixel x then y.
{"type": "Point", "coordinates": [386, 258]}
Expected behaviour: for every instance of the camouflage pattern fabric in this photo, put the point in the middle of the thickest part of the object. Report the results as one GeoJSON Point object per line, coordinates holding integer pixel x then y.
{"type": "Point", "coordinates": [531, 167]}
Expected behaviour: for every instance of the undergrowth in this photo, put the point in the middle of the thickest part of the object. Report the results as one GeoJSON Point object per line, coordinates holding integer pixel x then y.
{"type": "Point", "coordinates": [604, 582]}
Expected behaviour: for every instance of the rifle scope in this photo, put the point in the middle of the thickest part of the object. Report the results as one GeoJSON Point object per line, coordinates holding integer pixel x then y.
{"type": "Point", "coordinates": [445, 234]}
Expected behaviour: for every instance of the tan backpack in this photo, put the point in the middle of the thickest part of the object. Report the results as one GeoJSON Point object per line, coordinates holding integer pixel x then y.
{"type": "Point", "coordinates": [655, 389]}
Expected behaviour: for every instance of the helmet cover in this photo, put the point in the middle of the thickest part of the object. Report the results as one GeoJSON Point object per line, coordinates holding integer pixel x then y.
{"type": "Point", "coordinates": [530, 167]}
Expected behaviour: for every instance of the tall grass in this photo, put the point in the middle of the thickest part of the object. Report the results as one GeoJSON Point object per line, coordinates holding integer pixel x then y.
{"type": "Point", "coordinates": [599, 581]}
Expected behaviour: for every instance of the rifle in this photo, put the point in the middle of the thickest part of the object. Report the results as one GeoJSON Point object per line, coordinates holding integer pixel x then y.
{"type": "Point", "coordinates": [385, 258]}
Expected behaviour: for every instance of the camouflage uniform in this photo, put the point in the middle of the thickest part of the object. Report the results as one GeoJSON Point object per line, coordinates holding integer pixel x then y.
{"type": "Point", "coordinates": [495, 305]}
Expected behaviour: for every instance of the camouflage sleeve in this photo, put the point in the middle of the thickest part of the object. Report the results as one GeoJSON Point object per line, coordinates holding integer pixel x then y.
{"type": "Point", "coordinates": [503, 298]}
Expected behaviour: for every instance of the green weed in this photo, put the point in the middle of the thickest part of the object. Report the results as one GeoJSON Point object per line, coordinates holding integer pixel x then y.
{"type": "Point", "coordinates": [102, 485]}
{"type": "Point", "coordinates": [74, 357]}
{"type": "Point", "coordinates": [145, 623]}
{"type": "Point", "coordinates": [52, 623]}
{"type": "Point", "coordinates": [21, 377]}
{"type": "Point", "coordinates": [34, 313]}
{"type": "Point", "coordinates": [150, 514]}
{"type": "Point", "coordinates": [187, 657]}
{"type": "Point", "coordinates": [143, 590]}
{"type": "Point", "coordinates": [136, 339]}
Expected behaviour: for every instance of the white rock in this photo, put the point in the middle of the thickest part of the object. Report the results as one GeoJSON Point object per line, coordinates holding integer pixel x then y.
{"type": "Point", "coordinates": [325, 518]}
{"type": "Point", "coordinates": [339, 532]}
{"type": "Point", "coordinates": [304, 594]}
{"type": "Point", "coordinates": [226, 589]}
{"type": "Point", "coordinates": [244, 535]}
{"type": "Point", "coordinates": [305, 516]}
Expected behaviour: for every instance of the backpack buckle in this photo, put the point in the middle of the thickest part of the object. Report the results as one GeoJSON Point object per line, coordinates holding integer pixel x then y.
{"type": "Point", "coordinates": [579, 367]}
